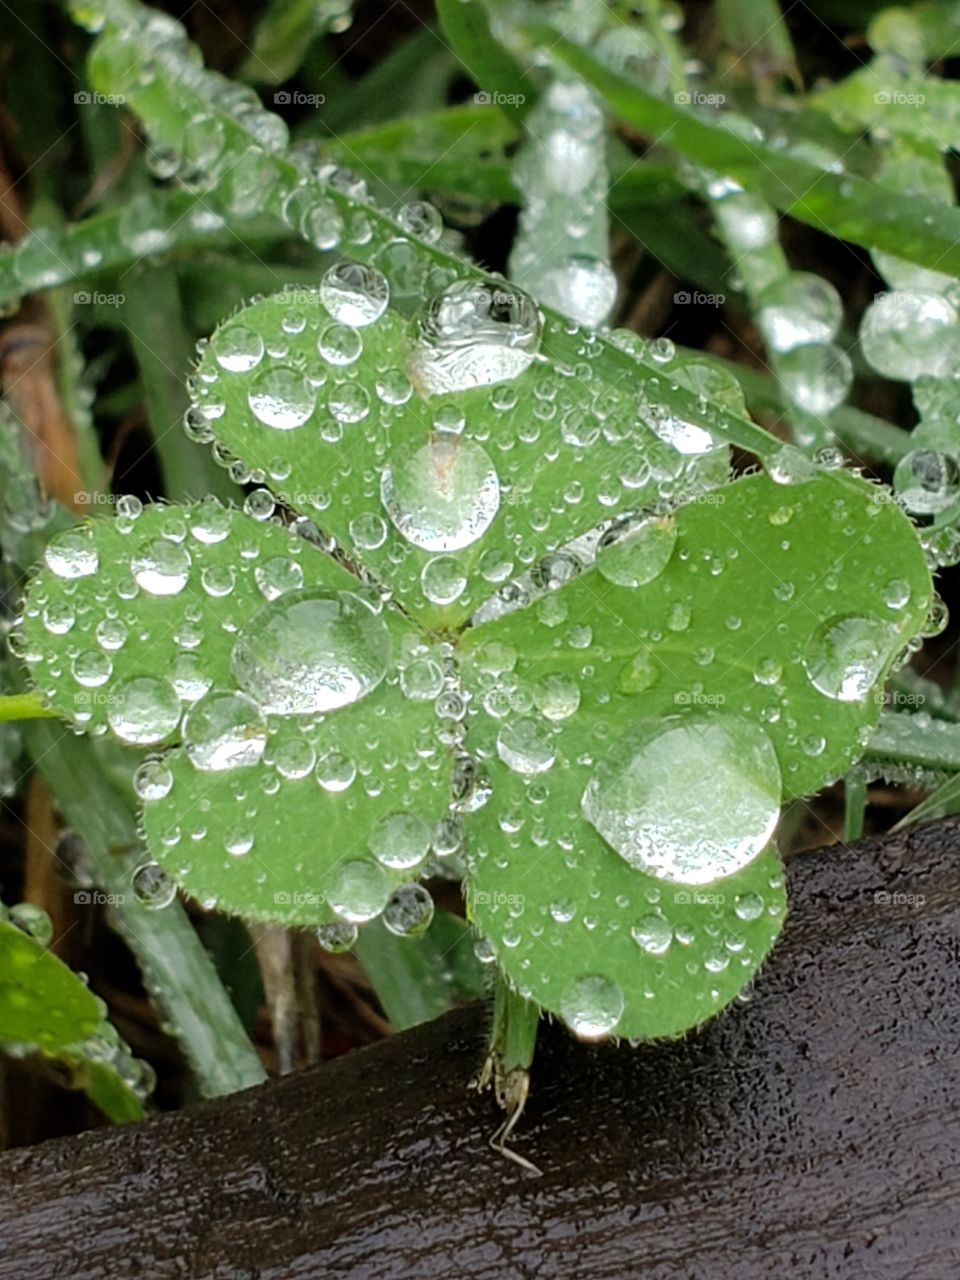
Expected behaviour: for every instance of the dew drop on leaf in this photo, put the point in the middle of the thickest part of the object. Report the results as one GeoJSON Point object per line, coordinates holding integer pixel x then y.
{"type": "Point", "coordinates": [224, 731]}
{"type": "Point", "coordinates": [354, 293]}
{"type": "Point", "coordinates": [633, 553]}
{"type": "Point", "coordinates": [409, 911]}
{"type": "Point", "coordinates": [473, 334]}
{"type": "Point", "coordinates": [143, 710]}
{"type": "Point", "coordinates": [846, 655]}
{"type": "Point", "coordinates": [442, 495]}
{"type": "Point", "coordinates": [310, 651]}
{"type": "Point", "coordinates": [591, 1006]}
{"type": "Point", "coordinates": [687, 798]}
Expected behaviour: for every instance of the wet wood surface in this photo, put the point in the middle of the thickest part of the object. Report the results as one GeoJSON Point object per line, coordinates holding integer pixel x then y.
{"type": "Point", "coordinates": [812, 1132]}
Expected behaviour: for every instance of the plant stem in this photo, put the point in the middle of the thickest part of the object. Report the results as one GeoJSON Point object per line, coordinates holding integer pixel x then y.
{"type": "Point", "coordinates": [513, 1038]}
{"type": "Point", "coordinates": [23, 706]}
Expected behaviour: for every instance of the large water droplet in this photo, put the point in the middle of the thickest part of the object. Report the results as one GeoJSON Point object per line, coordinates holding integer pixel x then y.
{"type": "Point", "coordinates": [847, 654]}
{"type": "Point", "coordinates": [797, 309]}
{"type": "Point", "coordinates": [354, 293]}
{"type": "Point", "coordinates": [161, 567]}
{"type": "Point", "coordinates": [237, 348]}
{"type": "Point", "coordinates": [591, 1006]}
{"type": "Point", "coordinates": [409, 911]}
{"type": "Point", "coordinates": [525, 746]}
{"type": "Point", "coordinates": [637, 551]}
{"type": "Point", "coordinates": [310, 651]}
{"type": "Point", "coordinates": [687, 798]}
{"type": "Point", "coordinates": [224, 731]}
{"type": "Point", "coordinates": [143, 710]}
{"type": "Point", "coordinates": [280, 398]}
{"type": "Point", "coordinates": [927, 481]}
{"type": "Point", "coordinates": [72, 555]}
{"type": "Point", "coordinates": [152, 887]}
{"type": "Point", "coordinates": [474, 334]}
{"type": "Point", "coordinates": [442, 495]}
{"type": "Point", "coordinates": [359, 890]}
{"type": "Point", "coordinates": [400, 841]}
{"type": "Point", "coordinates": [906, 335]}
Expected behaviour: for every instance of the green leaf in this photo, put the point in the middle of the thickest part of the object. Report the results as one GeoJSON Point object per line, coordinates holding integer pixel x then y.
{"type": "Point", "coordinates": [41, 1000]}
{"type": "Point", "coordinates": [771, 604]}
{"type": "Point", "coordinates": [547, 453]}
{"type": "Point", "coordinates": [493, 69]}
{"type": "Point", "coordinates": [268, 808]}
{"type": "Point", "coordinates": [849, 207]}
{"type": "Point", "coordinates": [103, 1082]}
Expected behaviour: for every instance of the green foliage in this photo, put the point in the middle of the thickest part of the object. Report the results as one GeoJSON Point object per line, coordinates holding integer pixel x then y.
{"type": "Point", "coordinates": [45, 1006]}
{"type": "Point", "coordinates": [513, 621]}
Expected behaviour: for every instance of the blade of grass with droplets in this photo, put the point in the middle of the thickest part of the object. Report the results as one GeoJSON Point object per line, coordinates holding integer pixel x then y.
{"type": "Point", "coordinates": [847, 206]}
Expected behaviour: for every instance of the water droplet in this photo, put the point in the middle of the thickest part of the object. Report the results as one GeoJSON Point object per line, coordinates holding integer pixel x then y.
{"type": "Point", "coordinates": [443, 580]}
{"type": "Point", "coordinates": [653, 933]}
{"type": "Point", "coordinates": [335, 771]}
{"type": "Point", "coordinates": [525, 746]}
{"type": "Point", "coordinates": [310, 651]}
{"type": "Point", "coordinates": [557, 696]}
{"type": "Point", "coordinates": [161, 567]}
{"type": "Point", "coordinates": [847, 654]}
{"type": "Point", "coordinates": [474, 334]}
{"type": "Point", "coordinates": [354, 294]}
{"type": "Point", "coordinates": [359, 890]}
{"type": "Point", "coordinates": [797, 309]}
{"type": "Point", "coordinates": [927, 481]}
{"type": "Point", "coordinates": [442, 495]}
{"type": "Point", "coordinates": [224, 731]}
{"type": "Point", "coordinates": [591, 1006]}
{"type": "Point", "coordinates": [144, 710]}
{"type": "Point", "coordinates": [400, 841]}
{"type": "Point", "coordinates": [280, 398]}
{"type": "Point", "coordinates": [72, 554]}
{"type": "Point", "coordinates": [152, 780]}
{"type": "Point", "coordinates": [278, 575]}
{"type": "Point", "coordinates": [422, 679]}
{"type": "Point", "coordinates": [152, 887]}
{"type": "Point", "coordinates": [237, 349]}
{"type": "Point", "coordinates": [33, 921]}
{"type": "Point", "coordinates": [635, 552]}
{"type": "Point", "coordinates": [687, 798]}
{"type": "Point", "coordinates": [909, 335]}
{"type": "Point", "coordinates": [409, 911]}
